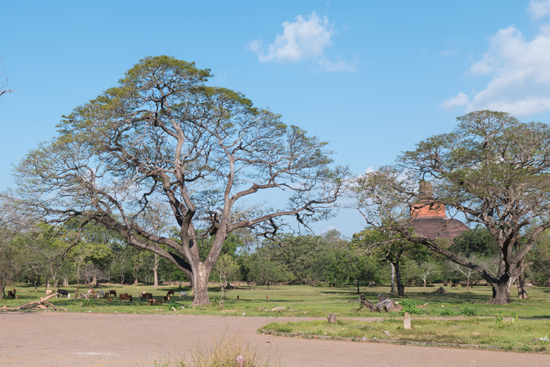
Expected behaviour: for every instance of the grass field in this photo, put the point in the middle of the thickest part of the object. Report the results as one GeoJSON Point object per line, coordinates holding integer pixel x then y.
{"type": "Point", "coordinates": [299, 301]}
{"type": "Point", "coordinates": [506, 334]}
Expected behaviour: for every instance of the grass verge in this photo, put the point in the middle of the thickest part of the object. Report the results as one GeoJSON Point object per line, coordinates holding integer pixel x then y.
{"type": "Point", "coordinates": [508, 334]}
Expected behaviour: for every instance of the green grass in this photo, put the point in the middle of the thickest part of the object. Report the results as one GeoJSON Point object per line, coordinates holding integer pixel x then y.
{"type": "Point", "coordinates": [504, 334]}
{"type": "Point", "coordinates": [300, 301]}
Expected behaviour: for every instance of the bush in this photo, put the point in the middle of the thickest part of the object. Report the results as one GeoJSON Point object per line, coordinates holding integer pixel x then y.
{"type": "Point", "coordinates": [468, 311]}
{"type": "Point", "coordinates": [409, 305]}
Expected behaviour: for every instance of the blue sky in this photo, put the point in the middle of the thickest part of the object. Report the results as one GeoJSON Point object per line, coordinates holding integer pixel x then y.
{"type": "Point", "coordinates": [371, 77]}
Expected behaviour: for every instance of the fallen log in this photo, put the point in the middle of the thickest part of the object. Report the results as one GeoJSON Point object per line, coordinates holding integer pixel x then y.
{"type": "Point", "coordinates": [41, 304]}
{"type": "Point", "coordinates": [387, 305]}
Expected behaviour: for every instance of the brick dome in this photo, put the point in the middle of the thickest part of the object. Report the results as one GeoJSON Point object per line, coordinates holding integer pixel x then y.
{"type": "Point", "coordinates": [431, 221]}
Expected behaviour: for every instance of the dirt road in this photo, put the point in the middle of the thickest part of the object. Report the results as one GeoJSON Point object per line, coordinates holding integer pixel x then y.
{"type": "Point", "coordinates": [78, 339]}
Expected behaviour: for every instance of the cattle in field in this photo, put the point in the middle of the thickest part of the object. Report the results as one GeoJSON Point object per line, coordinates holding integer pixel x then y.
{"type": "Point", "coordinates": [183, 294]}
{"type": "Point", "coordinates": [63, 292]}
{"type": "Point", "coordinates": [12, 294]}
{"type": "Point", "coordinates": [170, 293]}
{"type": "Point", "coordinates": [112, 292]}
{"type": "Point", "coordinates": [125, 297]}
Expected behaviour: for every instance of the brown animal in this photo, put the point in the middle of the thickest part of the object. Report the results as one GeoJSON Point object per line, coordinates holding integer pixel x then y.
{"type": "Point", "coordinates": [151, 302]}
{"type": "Point", "coordinates": [267, 296]}
{"type": "Point", "coordinates": [237, 297]}
{"type": "Point", "coordinates": [12, 293]}
{"type": "Point", "coordinates": [166, 299]}
{"type": "Point", "coordinates": [112, 292]}
{"type": "Point", "coordinates": [108, 299]}
{"type": "Point", "coordinates": [158, 302]}
{"type": "Point", "coordinates": [170, 293]}
{"type": "Point", "coordinates": [454, 285]}
{"type": "Point", "coordinates": [126, 297]}
{"type": "Point", "coordinates": [146, 296]}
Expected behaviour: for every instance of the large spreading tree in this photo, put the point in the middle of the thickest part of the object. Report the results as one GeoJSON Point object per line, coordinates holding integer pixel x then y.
{"type": "Point", "coordinates": [492, 170]}
{"type": "Point", "coordinates": [162, 134]}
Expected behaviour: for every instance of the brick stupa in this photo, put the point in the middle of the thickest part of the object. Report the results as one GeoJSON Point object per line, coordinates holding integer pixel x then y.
{"type": "Point", "coordinates": [431, 220]}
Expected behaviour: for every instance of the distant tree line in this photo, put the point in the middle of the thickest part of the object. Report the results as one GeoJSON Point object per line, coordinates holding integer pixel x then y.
{"type": "Point", "coordinates": [59, 255]}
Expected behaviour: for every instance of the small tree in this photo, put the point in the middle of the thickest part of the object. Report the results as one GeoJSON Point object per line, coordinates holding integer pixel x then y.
{"type": "Point", "coordinates": [227, 270]}
{"type": "Point", "coordinates": [262, 270]}
{"type": "Point", "coordinates": [389, 247]}
{"type": "Point", "coordinates": [351, 266]}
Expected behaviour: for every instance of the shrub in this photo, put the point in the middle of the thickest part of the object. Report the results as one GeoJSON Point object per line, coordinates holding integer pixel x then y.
{"type": "Point", "coordinates": [409, 305]}
{"type": "Point", "coordinates": [468, 310]}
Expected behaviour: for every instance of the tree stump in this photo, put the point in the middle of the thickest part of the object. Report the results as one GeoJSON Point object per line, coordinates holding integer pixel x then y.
{"type": "Point", "coordinates": [441, 290]}
{"type": "Point", "coordinates": [387, 305]}
{"type": "Point", "coordinates": [331, 318]}
{"type": "Point", "coordinates": [407, 321]}
{"type": "Point", "coordinates": [364, 303]}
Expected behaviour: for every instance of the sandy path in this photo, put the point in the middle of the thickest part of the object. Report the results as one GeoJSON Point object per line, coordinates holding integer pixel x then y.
{"type": "Point", "coordinates": [79, 339]}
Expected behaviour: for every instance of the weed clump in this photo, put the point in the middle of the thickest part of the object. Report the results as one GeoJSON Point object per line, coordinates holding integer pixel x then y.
{"type": "Point", "coordinates": [229, 351]}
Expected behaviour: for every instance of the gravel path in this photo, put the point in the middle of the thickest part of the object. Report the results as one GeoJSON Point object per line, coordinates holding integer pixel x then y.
{"type": "Point", "coordinates": [79, 339]}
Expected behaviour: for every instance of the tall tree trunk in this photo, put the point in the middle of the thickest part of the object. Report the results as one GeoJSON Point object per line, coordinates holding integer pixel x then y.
{"type": "Point", "coordinates": [200, 283]}
{"type": "Point", "coordinates": [522, 293]}
{"type": "Point", "coordinates": [400, 286]}
{"type": "Point", "coordinates": [357, 284]}
{"type": "Point", "coordinates": [468, 282]}
{"type": "Point", "coordinates": [78, 275]}
{"type": "Point", "coordinates": [501, 294]}
{"type": "Point", "coordinates": [155, 272]}
{"type": "Point", "coordinates": [392, 278]}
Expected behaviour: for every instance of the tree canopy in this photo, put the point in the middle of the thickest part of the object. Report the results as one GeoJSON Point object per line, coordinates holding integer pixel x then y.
{"type": "Point", "coordinates": [162, 134]}
{"type": "Point", "coordinates": [492, 170]}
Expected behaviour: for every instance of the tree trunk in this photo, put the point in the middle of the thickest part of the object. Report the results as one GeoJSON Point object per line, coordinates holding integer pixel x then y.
{"type": "Point", "coordinates": [2, 289]}
{"type": "Point", "coordinates": [200, 284]}
{"type": "Point", "coordinates": [400, 286]}
{"type": "Point", "coordinates": [501, 295]}
{"type": "Point", "coordinates": [468, 283]}
{"type": "Point", "coordinates": [392, 278]}
{"type": "Point", "coordinates": [155, 272]}
{"type": "Point", "coordinates": [522, 293]}
{"type": "Point", "coordinates": [357, 284]}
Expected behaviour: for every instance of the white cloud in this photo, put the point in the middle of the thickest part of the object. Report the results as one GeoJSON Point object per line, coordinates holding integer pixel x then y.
{"type": "Point", "coordinates": [538, 9]}
{"type": "Point", "coordinates": [337, 66]}
{"type": "Point", "coordinates": [460, 99]}
{"type": "Point", "coordinates": [301, 40]}
{"type": "Point", "coordinates": [520, 73]}
{"type": "Point", "coordinates": [306, 38]}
